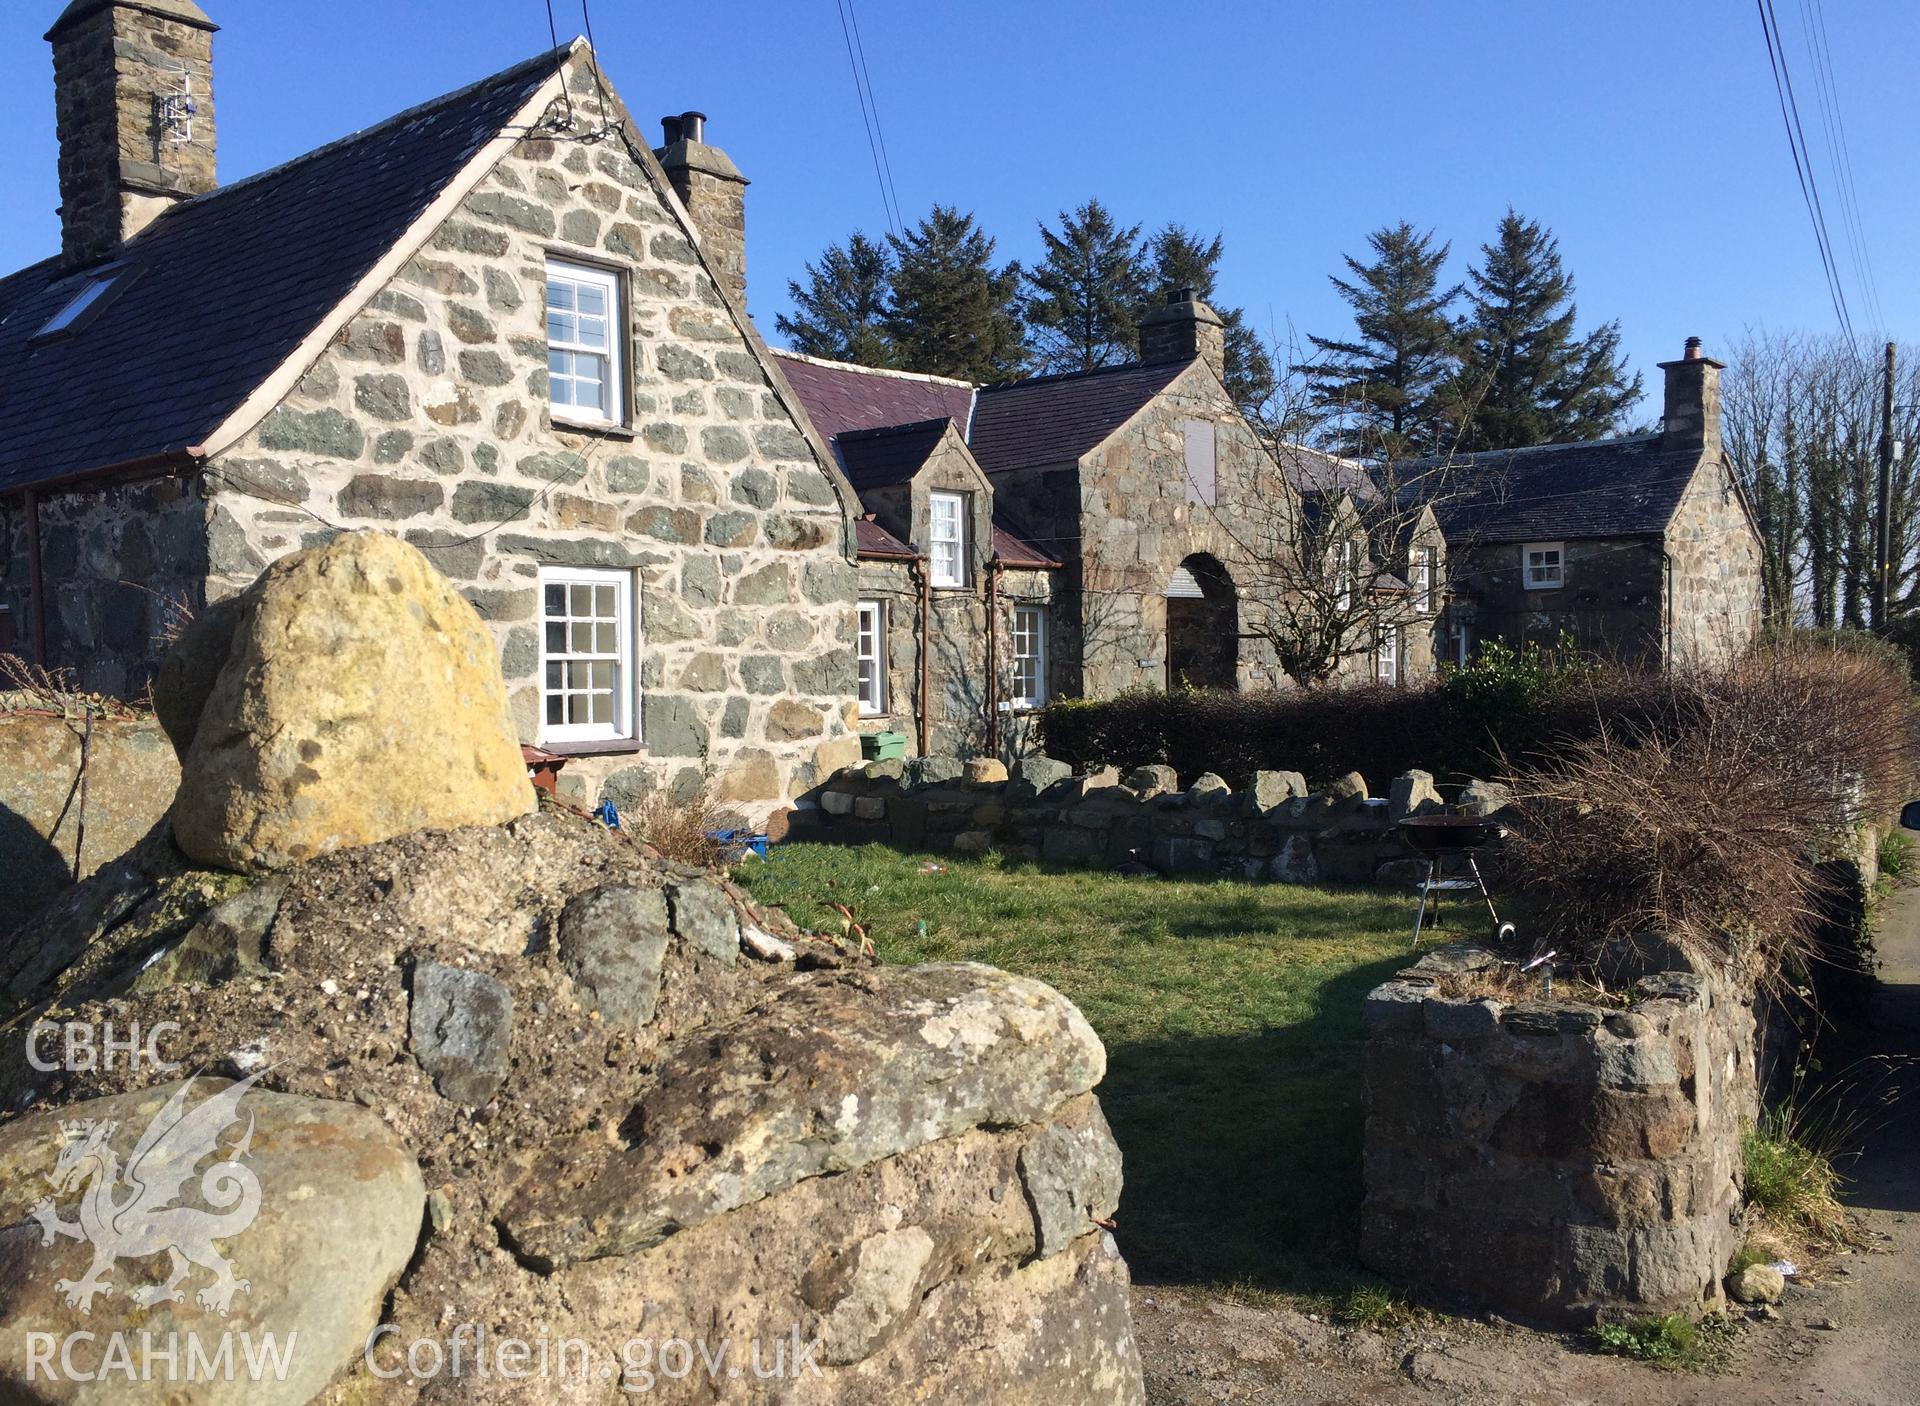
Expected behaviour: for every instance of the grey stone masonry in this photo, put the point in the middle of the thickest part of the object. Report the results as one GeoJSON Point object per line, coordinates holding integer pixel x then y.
{"type": "Point", "coordinates": [113, 66]}
{"type": "Point", "coordinates": [1555, 1162]}
{"type": "Point", "coordinates": [1273, 829]}
{"type": "Point", "coordinates": [428, 417]}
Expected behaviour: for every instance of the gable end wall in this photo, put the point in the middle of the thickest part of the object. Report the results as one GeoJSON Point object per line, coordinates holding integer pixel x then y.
{"type": "Point", "coordinates": [427, 417]}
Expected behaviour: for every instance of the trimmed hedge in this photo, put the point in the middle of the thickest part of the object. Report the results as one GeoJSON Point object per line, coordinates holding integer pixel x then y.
{"type": "Point", "coordinates": [1506, 704]}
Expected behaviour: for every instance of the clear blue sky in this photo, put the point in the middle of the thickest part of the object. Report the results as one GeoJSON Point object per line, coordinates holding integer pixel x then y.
{"type": "Point", "coordinates": [1644, 132]}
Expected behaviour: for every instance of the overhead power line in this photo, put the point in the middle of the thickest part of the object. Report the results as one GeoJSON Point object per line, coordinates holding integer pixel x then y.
{"type": "Point", "coordinates": [868, 120]}
{"type": "Point", "coordinates": [1803, 165]}
{"type": "Point", "coordinates": [1814, 20]}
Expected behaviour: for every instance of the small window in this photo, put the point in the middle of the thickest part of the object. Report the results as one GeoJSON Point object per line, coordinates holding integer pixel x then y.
{"type": "Point", "coordinates": [1343, 575]}
{"type": "Point", "coordinates": [1202, 475]}
{"type": "Point", "coordinates": [1462, 644]}
{"type": "Point", "coordinates": [584, 322]}
{"type": "Point", "coordinates": [872, 652]}
{"type": "Point", "coordinates": [90, 294]}
{"type": "Point", "coordinates": [1545, 566]}
{"type": "Point", "coordinates": [586, 655]}
{"type": "Point", "coordinates": [1386, 657]}
{"type": "Point", "coordinates": [1027, 654]}
{"type": "Point", "coordinates": [947, 536]}
{"type": "Point", "coordinates": [1424, 585]}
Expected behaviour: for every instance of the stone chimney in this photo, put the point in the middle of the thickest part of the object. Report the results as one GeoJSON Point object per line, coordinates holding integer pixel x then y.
{"type": "Point", "coordinates": [1182, 330]}
{"type": "Point", "coordinates": [133, 102]}
{"type": "Point", "coordinates": [1692, 418]}
{"type": "Point", "coordinates": [714, 192]}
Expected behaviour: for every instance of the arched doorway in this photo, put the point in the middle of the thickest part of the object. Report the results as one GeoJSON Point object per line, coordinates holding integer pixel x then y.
{"type": "Point", "coordinates": [1203, 625]}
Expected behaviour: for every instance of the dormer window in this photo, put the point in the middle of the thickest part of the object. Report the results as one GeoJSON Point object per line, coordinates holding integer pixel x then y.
{"type": "Point", "coordinates": [79, 305]}
{"type": "Point", "coordinates": [947, 538]}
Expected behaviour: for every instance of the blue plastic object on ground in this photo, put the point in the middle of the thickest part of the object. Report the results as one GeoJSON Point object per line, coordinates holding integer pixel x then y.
{"type": "Point", "coordinates": [608, 816]}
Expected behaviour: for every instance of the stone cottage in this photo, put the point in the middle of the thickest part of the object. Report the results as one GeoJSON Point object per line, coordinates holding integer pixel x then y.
{"type": "Point", "coordinates": [1642, 549]}
{"type": "Point", "coordinates": [496, 324]}
{"type": "Point", "coordinates": [1063, 536]}
{"type": "Point", "coordinates": [955, 610]}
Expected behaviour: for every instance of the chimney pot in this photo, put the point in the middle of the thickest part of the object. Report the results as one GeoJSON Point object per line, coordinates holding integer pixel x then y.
{"type": "Point", "coordinates": [1692, 409]}
{"type": "Point", "coordinates": [714, 192]}
{"type": "Point", "coordinates": [1183, 330]}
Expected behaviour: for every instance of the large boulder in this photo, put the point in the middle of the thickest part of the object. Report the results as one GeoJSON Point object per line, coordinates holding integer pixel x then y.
{"type": "Point", "coordinates": [358, 697]}
{"type": "Point", "coordinates": [255, 1244]}
{"type": "Point", "coordinates": [641, 1104]}
{"type": "Point", "coordinates": [888, 1060]}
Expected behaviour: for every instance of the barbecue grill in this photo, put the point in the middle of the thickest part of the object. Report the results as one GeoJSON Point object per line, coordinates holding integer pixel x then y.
{"type": "Point", "coordinates": [1444, 837]}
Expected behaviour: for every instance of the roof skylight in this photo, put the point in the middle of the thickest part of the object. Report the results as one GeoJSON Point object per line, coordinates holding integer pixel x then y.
{"type": "Point", "coordinates": [81, 301]}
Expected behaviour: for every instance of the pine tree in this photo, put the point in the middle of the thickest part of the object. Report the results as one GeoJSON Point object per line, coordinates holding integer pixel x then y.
{"type": "Point", "coordinates": [951, 312]}
{"type": "Point", "coordinates": [1387, 387]}
{"type": "Point", "coordinates": [838, 313]}
{"type": "Point", "coordinates": [1183, 259]}
{"type": "Point", "coordinates": [1081, 304]}
{"type": "Point", "coordinates": [1527, 378]}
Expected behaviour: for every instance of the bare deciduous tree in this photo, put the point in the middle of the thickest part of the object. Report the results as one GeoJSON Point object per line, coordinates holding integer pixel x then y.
{"type": "Point", "coordinates": [1333, 556]}
{"type": "Point", "coordinates": [1802, 430]}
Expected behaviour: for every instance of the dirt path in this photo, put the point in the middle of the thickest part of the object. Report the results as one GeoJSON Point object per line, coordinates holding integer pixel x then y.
{"type": "Point", "coordinates": [1201, 1349]}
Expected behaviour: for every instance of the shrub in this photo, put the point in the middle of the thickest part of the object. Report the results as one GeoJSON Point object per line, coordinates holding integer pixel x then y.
{"type": "Point", "coordinates": [1694, 806]}
{"type": "Point", "coordinates": [1377, 731]}
{"type": "Point", "coordinates": [1501, 704]}
{"type": "Point", "coordinates": [682, 830]}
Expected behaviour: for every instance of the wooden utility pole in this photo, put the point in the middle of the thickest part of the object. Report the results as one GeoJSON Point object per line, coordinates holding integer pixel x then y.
{"type": "Point", "coordinates": [1883, 512]}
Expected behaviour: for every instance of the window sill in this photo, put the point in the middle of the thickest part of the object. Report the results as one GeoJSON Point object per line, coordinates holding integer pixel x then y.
{"type": "Point", "coordinates": [604, 429]}
{"type": "Point", "coordinates": [611, 747]}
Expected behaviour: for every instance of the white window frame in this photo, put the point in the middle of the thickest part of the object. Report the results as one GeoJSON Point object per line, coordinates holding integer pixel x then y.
{"type": "Point", "coordinates": [1543, 576]}
{"type": "Point", "coordinates": [947, 552]}
{"type": "Point", "coordinates": [870, 648]}
{"type": "Point", "coordinates": [1343, 574]}
{"type": "Point", "coordinates": [621, 726]}
{"type": "Point", "coordinates": [1462, 643]}
{"type": "Point", "coordinates": [612, 409]}
{"type": "Point", "coordinates": [1425, 561]}
{"type": "Point", "coordinates": [1386, 656]}
{"type": "Point", "coordinates": [1036, 696]}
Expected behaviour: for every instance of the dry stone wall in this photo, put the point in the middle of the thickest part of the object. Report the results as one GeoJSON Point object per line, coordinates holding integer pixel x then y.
{"type": "Point", "coordinates": [1273, 829]}
{"type": "Point", "coordinates": [428, 417]}
{"type": "Point", "coordinates": [1556, 1162]}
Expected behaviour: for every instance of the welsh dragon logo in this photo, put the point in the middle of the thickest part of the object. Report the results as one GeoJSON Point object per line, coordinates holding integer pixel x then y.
{"type": "Point", "coordinates": [133, 1215]}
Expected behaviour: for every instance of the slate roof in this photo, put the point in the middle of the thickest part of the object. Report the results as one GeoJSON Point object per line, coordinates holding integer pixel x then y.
{"type": "Point", "coordinates": [870, 539]}
{"type": "Point", "coordinates": [1013, 547]}
{"type": "Point", "coordinates": [1607, 488]}
{"type": "Point", "coordinates": [1056, 419]}
{"type": "Point", "coordinates": [221, 289]}
{"type": "Point", "coordinates": [840, 397]}
{"type": "Point", "coordinates": [892, 454]}
{"type": "Point", "coordinates": [1311, 471]}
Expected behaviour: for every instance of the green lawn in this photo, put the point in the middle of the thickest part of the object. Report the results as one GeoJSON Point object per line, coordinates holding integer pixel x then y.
{"type": "Point", "coordinates": [1231, 1014]}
